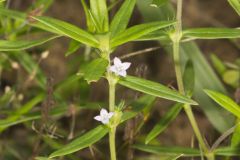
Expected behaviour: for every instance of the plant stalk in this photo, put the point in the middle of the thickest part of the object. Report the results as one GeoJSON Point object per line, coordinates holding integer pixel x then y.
{"type": "Point", "coordinates": [112, 143]}
{"type": "Point", "coordinates": [112, 133]}
{"type": "Point", "coordinates": [177, 62]}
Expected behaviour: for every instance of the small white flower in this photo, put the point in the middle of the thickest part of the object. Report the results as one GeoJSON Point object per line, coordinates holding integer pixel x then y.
{"type": "Point", "coordinates": [119, 68]}
{"type": "Point", "coordinates": [104, 116]}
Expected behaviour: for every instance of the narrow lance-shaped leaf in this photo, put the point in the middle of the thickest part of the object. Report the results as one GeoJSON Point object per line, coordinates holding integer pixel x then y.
{"type": "Point", "coordinates": [235, 141]}
{"type": "Point", "coordinates": [100, 13]}
{"type": "Point", "coordinates": [218, 64]}
{"type": "Point", "coordinates": [225, 102]}
{"type": "Point", "coordinates": [84, 141]}
{"type": "Point", "coordinates": [73, 47]}
{"type": "Point", "coordinates": [23, 17]}
{"type": "Point", "coordinates": [164, 122]}
{"type": "Point", "coordinates": [90, 24]}
{"type": "Point", "coordinates": [161, 150]}
{"type": "Point", "coordinates": [69, 30]}
{"type": "Point", "coordinates": [227, 151]}
{"type": "Point", "coordinates": [154, 89]}
{"type": "Point", "coordinates": [21, 111]}
{"type": "Point", "coordinates": [236, 5]}
{"type": "Point", "coordinates": [122, 17]}
{"type": "Point", "coordinates": [138, 31]}
{"type": "Point", "coordinates": [189, 78]}
{"type": "Point", "coordinates": [93, 71]}
{"type": "Point", "coordinates": [54, 113]}
{"type": "Point", "coordinates": [157, 35]}
{"type": "Point", "coordinates": [22, 45]}
{"type": "Point", "coordinates": [42, 158]}
{"type": "Point", "coordinates": [138, 106]}
{"type": "Point", "coordinates": [211, 33]}
{"type": "Point", "coordinates": [13, 14]}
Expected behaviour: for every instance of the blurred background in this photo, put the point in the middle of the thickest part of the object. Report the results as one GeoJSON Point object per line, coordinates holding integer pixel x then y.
{"type": "Point", "coordinates": [18, 142]}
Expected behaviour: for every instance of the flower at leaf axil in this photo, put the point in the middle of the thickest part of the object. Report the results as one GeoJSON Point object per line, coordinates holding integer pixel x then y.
{"type": "Point", "coordinates": [119, 67]}
{"type": "Point", "coordinates": [104, 116]}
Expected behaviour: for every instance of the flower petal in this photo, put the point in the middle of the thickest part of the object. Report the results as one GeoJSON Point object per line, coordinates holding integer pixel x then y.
{"type": "Point", "coordinates": [98, 118]}
{"type": "Point", "coordinates": [117, 61]}
{"type": "Point", "coordinates": [122, 73]}
{"type": "Point", "coordinates": [105, 121]}
{"type": "Point", "coordinates": [103, 112]}
{"type": "Point", "coordinates": [110, 114]}
{"type": "Point", "coordinates": [126, 65]}
{"type": "Point", "coordinates": [112, 69]}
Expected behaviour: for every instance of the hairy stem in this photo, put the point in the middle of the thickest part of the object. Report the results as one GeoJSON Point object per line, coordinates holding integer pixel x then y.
{"type": "Point", "coordinates": [176, 55]}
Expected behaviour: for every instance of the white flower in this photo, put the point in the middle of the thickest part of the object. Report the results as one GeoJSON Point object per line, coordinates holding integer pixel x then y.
{"type": "Point", "coordinates": [119, 68]}
{"type": "Point", "coordinates": [104, 116]}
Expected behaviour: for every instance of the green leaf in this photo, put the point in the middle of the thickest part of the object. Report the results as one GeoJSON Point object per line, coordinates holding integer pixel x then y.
{"type": "Point", "coordinates": [2, 1]}
{"type": "Point", "coordinates": [154, 89]}
{"type": "Point", "coordinates": [205, 77]}
{"type": "Point", "coordinates": [211, 33]}
{"type": "Point", "coordinates": [164, 122]}
{"type": "Point", "coordinates": [69, 30]}
{"type": "Point", "coordinates": [14, 117]}
{"type": "Point", "coordinates": [170, 151]}
{"type": "Point", "coordinates": [227, 151]}
{"type": "Point", "coordinates": [22, 45]}
{"type": "Point", "coordinates": [13, 14]}
{"type": "Point", "coordinates": [42, 158]}
{"type": "Point", "coordinates": [31, 67]}
{"type": "Point", "coordinates": [159, 3]}
{"type": "Point", "coordinates": [236, 5]}
{"type": "Point", "coordinates": [138, 31]}
{"type": "Point", "coordinates": [55, 112]}
{"type": "Point", "coordinates": [225, 102]}
{"type": "Point", "coordinates": [153, 36]}
{"type": "Point", "coordinates": [73, 47]}
{"type": "Point", "coordinates": [138, 106]}
{"type": "Point", "coordinates": [82, 142]}
{"type": "Point", "coordinates": [22, 17]}
{"type": "Point", "coordinates": [189, 78]}
{"type": "Point", "coordinates": [122, 17]}
{"type": "Point", "coordinates": [100, 13]}
{"type": "Point", "coordinates": [90, 24]}
{"type": "Point", "coordinates": [235, 141]}
{"type": "Point", "coordinates": [94, 70]}
{"type": "Point", "coordinates": [218, 64]}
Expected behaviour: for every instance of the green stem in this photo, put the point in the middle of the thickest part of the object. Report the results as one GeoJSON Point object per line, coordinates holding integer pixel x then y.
{"type": "Point", "coordinates": [210, 156]}
{"type": "Point", "coordinates": [176, 54]}
{"type": "Point", "coordinates": [112, 86]}
{"type": "Point", "coordinates": [112, 143]}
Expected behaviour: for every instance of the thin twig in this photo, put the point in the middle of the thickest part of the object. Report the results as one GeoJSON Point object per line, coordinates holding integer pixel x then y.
{"type": "Point", "coordinates": [223, 137]}
{"type": "Point", "coordinates": [139, 52]}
